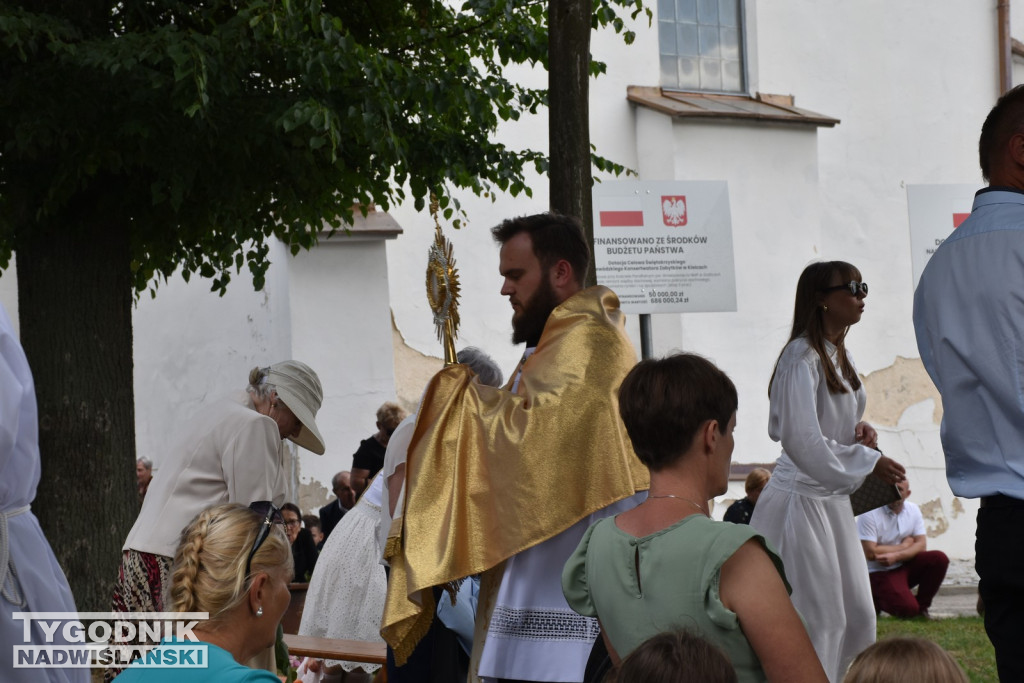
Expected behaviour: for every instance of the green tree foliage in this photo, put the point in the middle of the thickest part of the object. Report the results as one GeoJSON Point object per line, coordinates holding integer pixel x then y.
{"type": "Point", "coordinates": [211, 126]}
{"type": "Point", "coordinates": [142, 136]}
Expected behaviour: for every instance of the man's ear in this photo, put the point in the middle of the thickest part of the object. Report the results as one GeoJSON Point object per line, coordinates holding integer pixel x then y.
{"type": "Point", "coordinates": [1016, 148]}
{"type": "Point", "coordinates": [562, 274]}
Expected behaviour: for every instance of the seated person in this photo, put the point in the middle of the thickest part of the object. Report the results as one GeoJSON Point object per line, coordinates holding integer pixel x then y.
{"type": "Point", "coordinates": [666, 564]}
{"type": "Point", "coordinates": [905, 659]}
{"type": "Point", "coordinates": [676, 657]}
{"type": "Point", "coordinates": [740, 511]}
{"type": "Point", "coordinates": [896, 547]}
{"type": "Point", "coordinates": [233, 562]}
{"type": "Point", "coordinates": [304, 552]}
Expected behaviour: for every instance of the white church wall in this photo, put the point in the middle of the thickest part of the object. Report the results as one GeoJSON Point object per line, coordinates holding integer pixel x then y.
{"type": "Point", "coordinates": [911, 86]}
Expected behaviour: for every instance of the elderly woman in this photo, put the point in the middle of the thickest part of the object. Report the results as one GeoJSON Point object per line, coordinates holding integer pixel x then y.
{"type": "Point", "coordinates": [231, 453]}
{"type": "Point", "coordinates": [666, 564]}
{"type": "Point", "coordinates": [143, 475]}
{"type": "Point", "coordinates": [234, 563]}
{"type": "Point", "coordinates": [304, 552]}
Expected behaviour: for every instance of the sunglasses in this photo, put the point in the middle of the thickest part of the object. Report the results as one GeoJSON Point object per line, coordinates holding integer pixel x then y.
{"type": "Point", "coordinates": [853, 287]}
{"type": "Point", "coordinates": [271, 515]}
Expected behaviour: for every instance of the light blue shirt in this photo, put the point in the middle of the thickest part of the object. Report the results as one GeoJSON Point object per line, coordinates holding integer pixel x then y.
{"type": "Point", "coordinates": [461, 616]}
{"type": "Point", "coordinates": [969, 320]}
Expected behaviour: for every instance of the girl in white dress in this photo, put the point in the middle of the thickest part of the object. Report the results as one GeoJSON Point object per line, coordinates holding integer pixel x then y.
{"type": "Point", "coordinates": [346, 593]}
{"type": "Point", "coordinates": [817, 401]}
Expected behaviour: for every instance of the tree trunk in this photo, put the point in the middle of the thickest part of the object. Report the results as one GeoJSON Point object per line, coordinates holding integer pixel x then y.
{"type": "Point", "coordinates": [570, 173]}
{"type": "Point", "coordinates": [75, 305]}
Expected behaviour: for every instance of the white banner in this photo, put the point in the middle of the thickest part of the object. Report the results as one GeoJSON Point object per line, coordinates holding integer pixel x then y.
{"type": "Point", "coordinates": [934, 212]}
{"type": "Point", "coordinates": [665, 246]}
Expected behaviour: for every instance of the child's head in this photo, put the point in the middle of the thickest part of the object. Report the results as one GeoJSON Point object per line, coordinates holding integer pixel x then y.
{"type": "Point", "coordinates": [676, 657]}
{"type": "Point", "coordinates": [664, 402]}
{"type": "Point", "coordinates": [905, 660]}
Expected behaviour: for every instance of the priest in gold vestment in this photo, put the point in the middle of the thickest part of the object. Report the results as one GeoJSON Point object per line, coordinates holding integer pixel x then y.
{"type": "Point", "coordinates": [504, 482]}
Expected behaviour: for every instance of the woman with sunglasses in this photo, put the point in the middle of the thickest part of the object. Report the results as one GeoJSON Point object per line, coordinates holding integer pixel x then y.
{"type": "Point", "coordinates": [816, 404]}
{"type": "Point", "coordinates": [233, 562]}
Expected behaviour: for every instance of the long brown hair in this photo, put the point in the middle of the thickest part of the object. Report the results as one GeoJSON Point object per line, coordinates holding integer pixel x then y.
{"type": "Point", "coordinates": [808, 321]}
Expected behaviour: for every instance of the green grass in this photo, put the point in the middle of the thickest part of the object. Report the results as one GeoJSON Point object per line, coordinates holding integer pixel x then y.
{"type": "Point", "coordinates": [962, 637]}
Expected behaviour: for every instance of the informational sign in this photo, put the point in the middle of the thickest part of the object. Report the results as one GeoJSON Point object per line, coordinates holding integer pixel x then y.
{"type": "Point", "coordinates": [935, 211]}
{"type": "Point", "coordinates": [665, 246]}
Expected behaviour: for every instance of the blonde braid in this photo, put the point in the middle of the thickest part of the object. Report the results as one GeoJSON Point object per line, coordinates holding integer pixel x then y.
{"type": "Point", "coordinates": [185, 569]}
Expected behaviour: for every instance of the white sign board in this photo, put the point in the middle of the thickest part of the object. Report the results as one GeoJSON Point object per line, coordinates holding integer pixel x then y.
{"type": "Point", "coordinates": [934, 212]}
{"type": "Point", "coordinates": [665, 246]}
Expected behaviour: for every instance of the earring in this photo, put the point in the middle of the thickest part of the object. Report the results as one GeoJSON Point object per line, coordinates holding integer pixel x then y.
{"type": "Point", "coordinates": [825, 307]}
{"type": "Point", "coordinates": [259, 612]}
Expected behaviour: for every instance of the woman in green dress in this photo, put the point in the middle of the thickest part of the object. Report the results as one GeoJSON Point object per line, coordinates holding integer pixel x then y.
{"type": "Point", "coordinates": [665, 565]}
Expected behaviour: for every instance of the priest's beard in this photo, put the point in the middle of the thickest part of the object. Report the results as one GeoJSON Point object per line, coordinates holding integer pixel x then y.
{"type": "Point", "coordinates": [528, 325]}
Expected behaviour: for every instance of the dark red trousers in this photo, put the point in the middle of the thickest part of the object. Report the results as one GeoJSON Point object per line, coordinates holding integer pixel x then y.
{"type": "Point", "coordinates": [891, 589]}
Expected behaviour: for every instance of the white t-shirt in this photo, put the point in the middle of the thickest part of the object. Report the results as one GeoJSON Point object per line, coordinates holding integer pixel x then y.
{"type": "Point", "coordinates": [885, 527]}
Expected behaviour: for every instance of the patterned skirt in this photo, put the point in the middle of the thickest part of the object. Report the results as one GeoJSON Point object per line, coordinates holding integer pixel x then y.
{"type": "Point", "coordinates": [142, 582]}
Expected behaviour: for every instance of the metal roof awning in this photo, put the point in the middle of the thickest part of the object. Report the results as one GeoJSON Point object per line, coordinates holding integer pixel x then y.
{"type": "Point", "coordinates": [763, 107]}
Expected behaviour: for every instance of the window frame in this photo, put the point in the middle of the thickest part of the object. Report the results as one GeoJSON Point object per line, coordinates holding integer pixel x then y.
{"type": "Point", "coordinates": [745, 76]}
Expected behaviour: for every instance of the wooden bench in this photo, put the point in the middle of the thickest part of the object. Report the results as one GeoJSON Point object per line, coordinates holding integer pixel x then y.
{"type": "Point", "coordinates": [336, 648]}
{"type": "Point", "coordinates": [293, 615]}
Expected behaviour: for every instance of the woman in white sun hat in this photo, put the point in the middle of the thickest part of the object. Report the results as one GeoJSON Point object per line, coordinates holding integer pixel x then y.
{"type": "Point", "coordinates": [232, 453]}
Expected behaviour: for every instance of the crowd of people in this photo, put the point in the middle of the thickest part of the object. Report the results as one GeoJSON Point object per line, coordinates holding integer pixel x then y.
{"type": "Point", "coordinates": [558, 528]}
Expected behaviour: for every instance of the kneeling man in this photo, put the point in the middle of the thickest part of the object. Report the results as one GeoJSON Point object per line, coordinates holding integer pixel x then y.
{"type": "Point", "coordinates": [894, 543]}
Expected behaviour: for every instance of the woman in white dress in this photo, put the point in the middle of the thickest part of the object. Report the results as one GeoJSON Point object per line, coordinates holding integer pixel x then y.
{"type": "Point", "coordinates": [817, 401]}
{"type": "Point", "coordinates": [346, 593]}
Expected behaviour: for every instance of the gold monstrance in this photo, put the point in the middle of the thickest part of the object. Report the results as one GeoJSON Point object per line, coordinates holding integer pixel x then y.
{"type": "Point", "coordinates": [443, 288]}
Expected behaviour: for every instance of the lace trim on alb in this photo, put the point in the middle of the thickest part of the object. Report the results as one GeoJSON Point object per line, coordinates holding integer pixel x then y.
{"type": "Point", "coordinates": [540, 624]}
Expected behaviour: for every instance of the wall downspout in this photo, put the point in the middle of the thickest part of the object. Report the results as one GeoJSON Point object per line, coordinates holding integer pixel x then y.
{"type": "Point", "coordinates": [1005, 56]}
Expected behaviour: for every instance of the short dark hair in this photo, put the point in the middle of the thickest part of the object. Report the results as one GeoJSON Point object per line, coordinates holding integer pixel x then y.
{"type": "Point", "coordinates": [310, 521]}
{"type": "Point", "coordinates": [554, 237]}
{"type": "Point", "coordinates": [676, 656]}
{"type": "Point", "coordinates": [663, 402]}
{"type": "Point", "coordinates": [292, 507]}
{"type": "Point", "coordinates": [1004, 121]}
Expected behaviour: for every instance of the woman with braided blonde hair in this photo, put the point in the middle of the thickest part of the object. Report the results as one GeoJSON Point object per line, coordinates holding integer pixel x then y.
{"type": "Point", "coordinates": [235, 563]}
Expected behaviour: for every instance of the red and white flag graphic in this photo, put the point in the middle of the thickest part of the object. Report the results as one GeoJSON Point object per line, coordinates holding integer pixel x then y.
{"type": "Point", "coordinates": [959, 218]}
{"type": "Point", "coordinates": [620, 212]}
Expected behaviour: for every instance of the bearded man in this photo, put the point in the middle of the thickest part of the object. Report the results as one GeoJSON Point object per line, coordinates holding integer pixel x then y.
{"type": "Point", "coordinates": [504, 482]}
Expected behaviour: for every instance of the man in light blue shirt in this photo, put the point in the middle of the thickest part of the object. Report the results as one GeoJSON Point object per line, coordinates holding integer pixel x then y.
{"type": "Point", "coordinates": [969, 319]}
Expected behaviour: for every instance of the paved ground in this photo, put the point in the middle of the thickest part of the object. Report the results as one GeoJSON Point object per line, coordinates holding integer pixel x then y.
{"type": "Point", "coordinates": [955, 601]}
{"type": "Point", "coordinates": [958, 596]}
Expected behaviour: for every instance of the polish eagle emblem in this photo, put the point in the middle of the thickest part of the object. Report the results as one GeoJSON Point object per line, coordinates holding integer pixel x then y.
{"type": "Point", "coordinates": [673, 210]}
